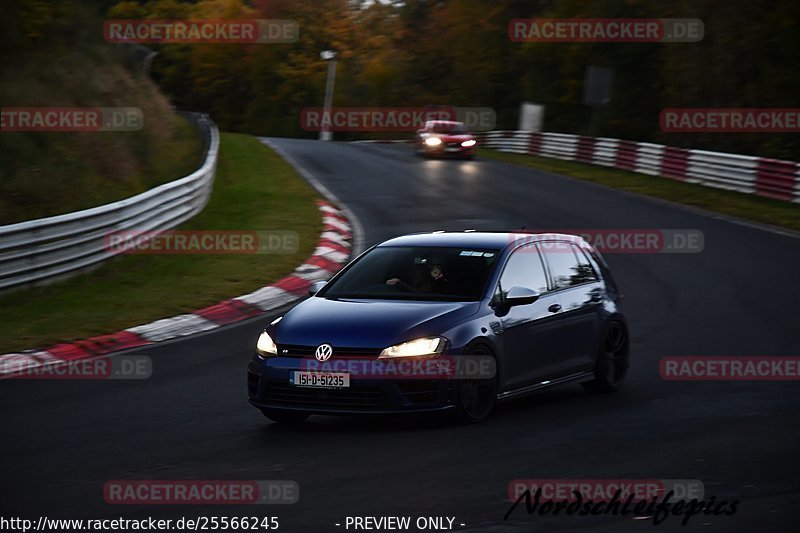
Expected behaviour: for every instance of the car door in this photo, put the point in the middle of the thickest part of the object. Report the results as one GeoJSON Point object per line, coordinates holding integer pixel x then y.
{"type": "Point", "coordinates": [531, 335]}
{"type": "Point", "coordinates": [580, 291]}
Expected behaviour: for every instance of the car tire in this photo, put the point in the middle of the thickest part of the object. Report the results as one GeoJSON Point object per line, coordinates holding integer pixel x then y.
{"type": "Point", "coordinates": [476, 398]}
{"type": "Point", "coordinates": [285, 417]}
{"type": "Point", "coordinates": [612, 360]}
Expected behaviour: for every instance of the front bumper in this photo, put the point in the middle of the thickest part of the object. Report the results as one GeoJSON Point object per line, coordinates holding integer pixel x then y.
{"type": "Point", "coordinates": [268, 387]}
{"type": "Point", "coordinates": [448, 150]}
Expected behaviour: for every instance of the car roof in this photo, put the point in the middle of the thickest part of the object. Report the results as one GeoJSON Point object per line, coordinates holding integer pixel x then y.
{"type": "Point", "coordinates": [478, 239]}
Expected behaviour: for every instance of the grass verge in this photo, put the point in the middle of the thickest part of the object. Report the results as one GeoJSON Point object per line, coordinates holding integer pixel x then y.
{"type": "Point", "coordinates": [745, 206]}
{"type": "Point", "coordinates": [255, 189]}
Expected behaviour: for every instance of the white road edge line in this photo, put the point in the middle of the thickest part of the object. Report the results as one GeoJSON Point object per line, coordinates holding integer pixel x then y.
{"type": "Point", "coordinates": [358, 229]}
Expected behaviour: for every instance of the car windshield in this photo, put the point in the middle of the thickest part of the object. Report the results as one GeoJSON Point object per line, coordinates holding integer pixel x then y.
{"type": "Point", "coordinates": [452, 128]}
{"type": "Point", "coordinates": [417, 273]}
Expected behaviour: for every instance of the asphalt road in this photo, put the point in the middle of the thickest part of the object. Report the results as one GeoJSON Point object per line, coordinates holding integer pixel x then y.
{"type": "Point", "coordinates": [61, 441]}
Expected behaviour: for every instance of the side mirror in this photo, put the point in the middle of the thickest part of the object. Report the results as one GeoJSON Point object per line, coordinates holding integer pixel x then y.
{"type": "Point", "coordinates": [520, 296]}
{"type": "Point", "coordinates": [316, 287]}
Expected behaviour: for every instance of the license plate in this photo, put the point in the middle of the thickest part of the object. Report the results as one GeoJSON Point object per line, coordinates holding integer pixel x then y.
{"type": "Point", "coordinates": [452, 149]}
{"type": "Point", "coordinates": [322, 380]}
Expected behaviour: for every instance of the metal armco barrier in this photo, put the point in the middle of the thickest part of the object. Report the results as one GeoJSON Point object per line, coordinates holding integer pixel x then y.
{"type": "Point", "coordinates": [53, 247]}
{"type": "Point", "coordinates": [747, 174]}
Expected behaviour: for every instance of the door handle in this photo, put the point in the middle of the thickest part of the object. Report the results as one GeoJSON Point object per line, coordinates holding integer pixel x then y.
{"type": "Point", "coordinates": [554, 308]}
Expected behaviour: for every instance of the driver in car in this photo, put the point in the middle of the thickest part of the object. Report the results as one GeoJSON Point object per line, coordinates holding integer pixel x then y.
{"type": "Point", "coordinates": [424, 278]}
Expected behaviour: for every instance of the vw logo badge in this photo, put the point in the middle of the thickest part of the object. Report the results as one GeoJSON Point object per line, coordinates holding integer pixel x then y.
{"type": "Point", "coordinates": [324, 352]}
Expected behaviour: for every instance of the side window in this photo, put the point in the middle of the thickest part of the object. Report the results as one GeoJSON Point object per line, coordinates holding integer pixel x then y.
{"type": "Point", "coordinates": [567, 267]}
{"type": "Point", "coordinates": [587, 272]}
{"type": "Point", "coordinates": [601, 263]}
{"type": "Point", "coordinates": [524, 269]}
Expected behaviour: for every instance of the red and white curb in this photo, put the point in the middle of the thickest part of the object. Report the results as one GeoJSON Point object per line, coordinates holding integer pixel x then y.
{"type": "Point", "coordinates": [772, 178]}
{"type": "Point", "coordinates": [332, 252]}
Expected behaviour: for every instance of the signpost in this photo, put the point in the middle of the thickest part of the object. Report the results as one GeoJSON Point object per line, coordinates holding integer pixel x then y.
{"type": "Point", "coordinates": [325, 133]}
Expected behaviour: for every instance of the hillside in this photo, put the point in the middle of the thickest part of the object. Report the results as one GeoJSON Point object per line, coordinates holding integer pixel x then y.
{"type": "Point", "coordinates": [62, 61]}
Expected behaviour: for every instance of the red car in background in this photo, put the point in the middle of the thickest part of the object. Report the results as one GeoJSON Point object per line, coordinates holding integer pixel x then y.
{"type": "Point", "coordinates": [445, 138]}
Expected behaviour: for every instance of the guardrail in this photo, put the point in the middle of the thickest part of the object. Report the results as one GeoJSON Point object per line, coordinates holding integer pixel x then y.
{"type": "Point", "coordinates": [47, 248]}
{"type": "Point", "coordinates": [748, 174]}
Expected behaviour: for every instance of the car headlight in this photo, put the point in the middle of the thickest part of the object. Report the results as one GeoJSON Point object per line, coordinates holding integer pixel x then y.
{"type": "Point", "coordinates": [415, 348]}
{"type": "Point", "coordinates": [433, 141]}
{"type": "Point", "coordinates": [467, 144]}
{"type": "Point", "coordinates": [266, 346]}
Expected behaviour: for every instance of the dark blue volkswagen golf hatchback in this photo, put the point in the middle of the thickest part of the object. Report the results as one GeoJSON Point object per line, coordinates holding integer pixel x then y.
{"type": "Point", "coordinates": [445, 321]}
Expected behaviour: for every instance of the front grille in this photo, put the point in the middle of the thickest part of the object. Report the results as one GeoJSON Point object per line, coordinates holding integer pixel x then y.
{"type": "Point", "coordinates": [296, 350]}
{"type": "Point", "coordinates": [353, 397]}
{"type": "Point", "coordinates": [453, 145]}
